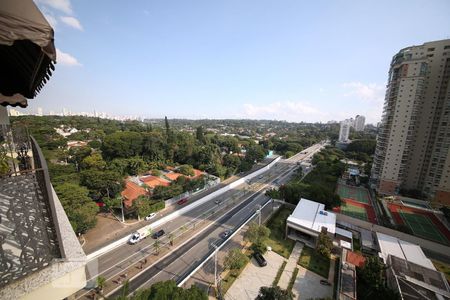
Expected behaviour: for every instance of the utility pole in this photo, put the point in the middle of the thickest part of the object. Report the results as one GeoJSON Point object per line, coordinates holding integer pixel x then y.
{"type": "Point", "coordinates": [121, 206]}
{"type": "Point", "coordinates": [258, 210]}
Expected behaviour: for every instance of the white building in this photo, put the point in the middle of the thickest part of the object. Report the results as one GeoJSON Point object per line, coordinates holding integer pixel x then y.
{"type": "Point", "coordinates": [390, 245]}
{"type": "Point", "coordinates": [344, 131]}
{"type": "Point", "coordinates": [308, 220]}
{"type": "Point", "coordinates": [40, 112]}
{"type": "Point", "coordinates": [359, 123]}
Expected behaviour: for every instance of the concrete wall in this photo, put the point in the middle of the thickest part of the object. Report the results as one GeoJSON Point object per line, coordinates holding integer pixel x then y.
{"type": "Point", "coordinates": [426, 244]}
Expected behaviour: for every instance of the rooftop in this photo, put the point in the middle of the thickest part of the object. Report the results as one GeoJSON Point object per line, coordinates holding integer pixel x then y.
{"type": "Point", "coordinates": [418, 282]}
{"type": "Point", "coordinates": [131, 192]}
{"type": "Point", "coordinates": [154, 181]}
{"type": "Point", "coordinates": [312, 215]}
{"type": "Point", "coordinates": [390, 245]}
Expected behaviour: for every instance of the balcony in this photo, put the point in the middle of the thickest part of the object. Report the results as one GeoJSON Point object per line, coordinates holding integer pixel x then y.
{"type": "Point", "coordinates": [39, 255]}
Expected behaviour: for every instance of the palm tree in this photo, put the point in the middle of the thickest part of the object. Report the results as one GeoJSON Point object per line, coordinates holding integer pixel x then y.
{"type": "Point", "coordinates": [171, 237]}
{"type": "Point", "coordinates": [100, 283]}
{"type": "Point", "coordinates": [156, 246]}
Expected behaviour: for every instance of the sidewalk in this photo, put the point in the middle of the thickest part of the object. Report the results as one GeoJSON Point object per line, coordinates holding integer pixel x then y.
{"type": "Point", "coordinates": [290, 266]}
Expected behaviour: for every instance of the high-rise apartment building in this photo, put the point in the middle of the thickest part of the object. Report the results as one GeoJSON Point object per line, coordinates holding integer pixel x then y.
{"type": "Point", "coordinates": [413, 145]}
{"type": "Point", "coordinates": [344, 130]}
{"type": "Point", "coordinates": [359, 123]}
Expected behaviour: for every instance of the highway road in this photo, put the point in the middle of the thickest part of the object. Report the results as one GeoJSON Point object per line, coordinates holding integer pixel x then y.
{"type": "Point", "coordinates": [246, 196]}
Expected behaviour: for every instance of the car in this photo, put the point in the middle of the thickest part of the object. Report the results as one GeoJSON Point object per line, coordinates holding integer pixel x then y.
{"type": "Point", "coordinates": [135, 237]}
{"type": "Point", "coordinates": [260, 177]}
{"type": "Point", "coordinates": [225, 234]}
{"type": "Point", "coordinates": [260, 259]}
{"type": "Point", "coordinates": [158, 234]}
{"type": "Point", "coordinates": [324, 282]}
{"type": "Point", "coordinates": [218, 201]}
{"type": "Point", "coordinates": [150, 216]}
{"type": "Point", "coordinates": [182, 201]}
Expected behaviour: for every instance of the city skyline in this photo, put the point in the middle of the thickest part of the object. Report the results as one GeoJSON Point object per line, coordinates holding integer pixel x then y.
{"type": "Point", "coordinates": [231, 60]}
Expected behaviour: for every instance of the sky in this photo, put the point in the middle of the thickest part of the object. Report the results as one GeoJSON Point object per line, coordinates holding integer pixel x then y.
{"type": "Point", "coordinates": [310, 61]}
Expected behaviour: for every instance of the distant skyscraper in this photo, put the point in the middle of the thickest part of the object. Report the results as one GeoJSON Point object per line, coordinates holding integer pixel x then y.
{"type": "Point", "coordinates": [359, 123]}
{"type": "Point", "coordinates": [345, 130]}
{"type": "Point", "coordinates": [39, 111]}
{"type": "Point", "coordinates": [413, 145]}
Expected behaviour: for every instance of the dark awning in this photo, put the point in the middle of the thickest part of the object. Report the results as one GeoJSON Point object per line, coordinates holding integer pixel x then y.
{"type": "Point", "coordinates": [27, 51]}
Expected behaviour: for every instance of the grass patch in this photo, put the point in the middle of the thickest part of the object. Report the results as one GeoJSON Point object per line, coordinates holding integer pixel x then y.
{"type": "Point", "coordinates": [279, 273]}
{"type": "Point", "coordinates": [314, 262]}
{"type": "Point", "coordinates": [277, 226]}
{"type": "Point", "coordinates": [442, 267]}
{"type": "Point", "coordinates": [292, 280]}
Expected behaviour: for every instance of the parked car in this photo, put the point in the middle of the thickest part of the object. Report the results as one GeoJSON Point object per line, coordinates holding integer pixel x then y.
{"type": "Point", "coordinates": [150, 216]}
{"type": "Point", "coordinates": [225, 234]}
{"type": "Point", "coordinates": [158, 234]}
{"type": "Point", "coordinates": [260, 259]}
{"type": "Point", "coordinates": [324, 282]}
{"type": "Point", "coordinates": [135, 237]}
{"type": "Point", "coordinates": [182, 201]}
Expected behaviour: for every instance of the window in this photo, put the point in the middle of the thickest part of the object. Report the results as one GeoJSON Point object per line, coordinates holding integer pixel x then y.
{"type": "Point", "coordinates": [447, 47]}
{"type": "Point", "coordinates": [430, 49]}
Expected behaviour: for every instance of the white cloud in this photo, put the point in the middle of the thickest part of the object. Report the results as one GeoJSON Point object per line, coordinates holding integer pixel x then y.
{"type": "Point", "coordinates": [371, 92]}
{"type": "Point", "coordinates": [66, 59]}
{"type": "Point", "coordinates": [72, 22]}
{"type": "Point", "coordinates": [61, 5]}
{"type": "Point", "coordinates": [51, 20]}
{"type": "Point", "coordinates": [296, 111]}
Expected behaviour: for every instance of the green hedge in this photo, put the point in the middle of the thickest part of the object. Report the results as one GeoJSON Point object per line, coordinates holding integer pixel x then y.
{"type": "Point", "coordinates": [279, 273]}
{"type": "Point", "coordinates": [157, 206]}
{"type": "Point", "coordinates": [292, 280]}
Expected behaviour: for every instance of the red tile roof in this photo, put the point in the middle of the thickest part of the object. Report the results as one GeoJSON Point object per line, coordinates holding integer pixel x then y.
{"type": "Point", "coordinates": [153, 181]}
{"type": "Point", "coordinates": [173, 176]}
{"type": "Point", "coordinates": [197, 173]}
{"type": "Point", "coordinates": [355, 259]}
{"type": "Point", "coordinates": [131, 192]}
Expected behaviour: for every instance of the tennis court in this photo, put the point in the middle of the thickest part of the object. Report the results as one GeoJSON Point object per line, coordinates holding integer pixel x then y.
{"type": "Point", "coordinates": [353, 211]}
{"type": "Point", "coordinates": [422, 226]}
{"type": "Point", "coordinates": [354, 193]}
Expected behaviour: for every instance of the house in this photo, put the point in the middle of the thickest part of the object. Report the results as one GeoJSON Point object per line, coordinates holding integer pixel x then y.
{"type": "Point", "coordinates": [173, 175]}
{"type": "Point", "coordinates": [308, 220]}
{"type": "Point", "coordinates": [413, 281]}
{"type": "Point", "coordinates": [131, 192]}
{"type": "Point", "coordinates": [154, 181]}
{"type": "Point", "coordinates": [74, 144]}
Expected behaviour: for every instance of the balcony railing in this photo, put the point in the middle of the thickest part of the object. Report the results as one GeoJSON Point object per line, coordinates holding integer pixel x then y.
{"type": "Point", "coordinates": [31, 238]}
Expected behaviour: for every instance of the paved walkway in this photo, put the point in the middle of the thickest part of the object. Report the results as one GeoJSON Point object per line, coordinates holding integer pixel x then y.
{"type": "Point", "coordinates": [307, 286]}
{"type": "Point", "coordinates": [254, 277]}
{"type": "Point", "coordinates": [290, 266]}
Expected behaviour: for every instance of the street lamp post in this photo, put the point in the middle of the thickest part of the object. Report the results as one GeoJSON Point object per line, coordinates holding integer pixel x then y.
{"type": "Point", "coordinates": [215, 263]}
{"type": "Point", "coordinates": [258, 210]}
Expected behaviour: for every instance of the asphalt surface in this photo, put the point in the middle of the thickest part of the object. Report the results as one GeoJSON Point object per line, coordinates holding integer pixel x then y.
{"type": "Point", "coordinates": [176, 264]}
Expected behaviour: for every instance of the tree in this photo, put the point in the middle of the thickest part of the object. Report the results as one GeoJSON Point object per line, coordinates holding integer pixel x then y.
{"type": "Point", "coordinates": [142, 206]}
{"type": "Point", "coordinates": [100, 283]}
{"type": "Point", "coordinates": [324, 244]}
{"type": "Point", "coordinates": [274, 293]}
{"type": "Point", "coordinates": [169, 290]}
{"type": "Point", "coordinates": [156, 246]}
{"type": "Point", "coordinates": [93, 161]}
{"type": "Point", "coordinates": [77, 154]}
{"type": "Point", "coordinates": [80, 209]}
{"type": "Point", "coordinates": [235, 259]}
{"type": "Point", "coordinates": [187, 170]}
{"type": "Point", "coordinates": [102, 183]}
{"type": "Point", "coordinates": [122, 144]}
{"type": "Point", "coordinates": [200, 135]}
{"type": "Point", "coordinates": [257, 235]}
{"type": "Point", "coordinates": [4, 165]}
{"type": "Point", "coordinates": [255, 153]}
